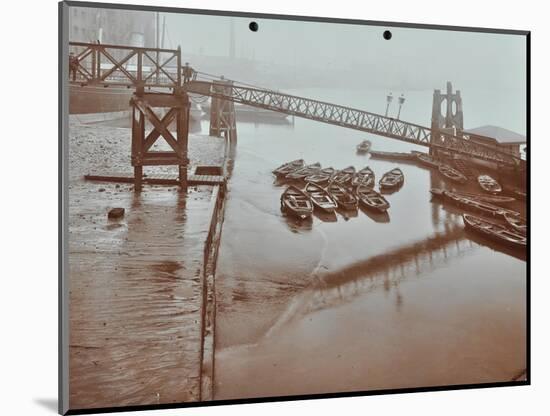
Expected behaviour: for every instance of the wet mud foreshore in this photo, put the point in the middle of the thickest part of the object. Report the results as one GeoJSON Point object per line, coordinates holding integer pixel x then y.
{"type": "Point", "coordinates": [300, 307]}
{"type": "Point", "coordinates": [135, 283]}
{"type": "Point", "coordinates": [357, 303]}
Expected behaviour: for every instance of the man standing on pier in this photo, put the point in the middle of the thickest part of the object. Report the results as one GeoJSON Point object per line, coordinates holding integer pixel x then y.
{"type": "Point", "coordinates": [188, 72]}
{"type": "Point", "coordinates": [73, 66]}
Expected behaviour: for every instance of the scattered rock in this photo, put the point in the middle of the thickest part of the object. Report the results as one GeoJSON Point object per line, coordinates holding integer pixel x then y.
{"type": "Point", "coordinates": [101, 190]}
{"type": "Point", "coordinates": [116, 213]}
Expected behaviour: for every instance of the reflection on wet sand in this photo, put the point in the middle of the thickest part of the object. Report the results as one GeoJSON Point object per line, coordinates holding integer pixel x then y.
{"type": "Point", "coordinates": [456, 214]}
{"type": "Point", "coordinates": [387, 270]}
{"type": "Point", "coordinates": [297, 343]}
{"type": "Point", "coordinates": [390, 191]}
{"type": "Point", "coordinates": [366, 302]}
{"type": "Point", "coordinates": [134, 295]}
{"type": "Point", "coordinates": [482, 241]}
{"type": "Point", "coordinates": [380, 217]}
{"type": "Point", "coordinates": [135, 291]}
{"type": "Point", "coordinates": [297, 225]}
{"type": "Point", "coordinates": [325, 216]}
{"type": "Point", "coordinates": [347, 214]}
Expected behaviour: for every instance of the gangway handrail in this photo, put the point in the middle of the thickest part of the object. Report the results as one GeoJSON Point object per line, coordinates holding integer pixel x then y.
{"type": "Point", "coordinates": [86, 69]}
{"type": "Point", "coordinates": [349, 117]}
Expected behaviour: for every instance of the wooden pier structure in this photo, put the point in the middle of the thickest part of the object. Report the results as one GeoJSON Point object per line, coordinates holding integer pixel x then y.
{"type": "Point", "coordinates": [160, 82]}
{"type": "Point", "coordinates": [158, 179]}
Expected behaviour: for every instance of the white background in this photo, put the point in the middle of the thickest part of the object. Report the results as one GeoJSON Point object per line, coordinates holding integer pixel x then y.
{"type": "Point", "coordinates": [28, 204]}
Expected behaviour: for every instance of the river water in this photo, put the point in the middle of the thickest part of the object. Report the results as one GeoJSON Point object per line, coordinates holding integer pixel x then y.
{"type": "Point", "coordinates": [355, 303]}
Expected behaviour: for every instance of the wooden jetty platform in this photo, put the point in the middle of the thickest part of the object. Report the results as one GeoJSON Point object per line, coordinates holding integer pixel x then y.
{"type": "Point", "coordinates": [400, 156]}
{"type": "Point", "coordinates": [156, 179]}
{"type": "Point", "coordinates": [392, 155]}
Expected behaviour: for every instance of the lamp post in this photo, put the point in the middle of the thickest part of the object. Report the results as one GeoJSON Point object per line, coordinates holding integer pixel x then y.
{"type": "Point", "coordinates": [389, 99]}
{"type": "Point", "coordinates": [401, 102]}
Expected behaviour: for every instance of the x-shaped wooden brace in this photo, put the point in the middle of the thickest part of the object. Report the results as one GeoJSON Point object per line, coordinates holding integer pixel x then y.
{"type": "Point", "coordinates": [117, 64]}
{"type": "Point", "coordinates": [160, 126]}
{"type": "Point", "coordinates": [155, 134]}
{"type": "Point", "coordinates": [159, 68]}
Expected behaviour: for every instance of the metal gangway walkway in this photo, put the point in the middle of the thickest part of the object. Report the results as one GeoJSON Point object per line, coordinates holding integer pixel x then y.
{"type": "Point", "coordinates": [351, 118]}
{"type": "Point", "coordinates": [150, 68]}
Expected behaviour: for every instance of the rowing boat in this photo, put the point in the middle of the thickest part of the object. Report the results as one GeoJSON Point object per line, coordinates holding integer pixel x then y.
{"type": "Point", "coordinates": [471, 204]}
{"type": "Point", "coordinates": [517, 222]}
{"type": "Point", "coordinates": [344, 199]}
{"type": "Point", "coordinates": [364, 177]}
{"type": "Point", "coordinates": [493, 231]}
{"type": "Point", "coordinates": [392, 179]}
{"type": "Point", "coordinates": [303, 172]}
{"type": "Point", "coordinates": [488, 184]}
{"type": "Point", "coordinates": [328, 171]}
{"type": "Point", "coordinates": [344, 176]}
{"type": "Point", "coordinates": [452, 174]}
{"type": "Point", "coordinates": [364, 146]}
{"type": "Point", "coordinates": [320, 197]}
{"type": "Point", "coordinates": [493, 199]}
{"type": "Point", "coordinates": [317, 178]}
{"type": "Point", "coordinates": [288, 167]}
{"type": "Point", "coordinates": [370, 199]}
{"type": "Point", "coordinates": [321, 177]}
{"type": "Point", "coordinates": [296, 202]}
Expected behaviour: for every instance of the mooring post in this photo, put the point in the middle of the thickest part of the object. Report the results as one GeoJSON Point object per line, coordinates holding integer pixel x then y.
{"type": "Point", "coordinates": [138, 155]}
{"type": "Point", "coordinates": [138, 137]}
{"type": "Point", "coordinates": [182, 126]}
{"type": "Point", "coordinates": [222, 111]}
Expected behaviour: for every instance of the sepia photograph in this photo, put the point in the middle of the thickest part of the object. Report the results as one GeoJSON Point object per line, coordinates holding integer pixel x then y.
{"type": "Point", "coordinates": [286, 208]}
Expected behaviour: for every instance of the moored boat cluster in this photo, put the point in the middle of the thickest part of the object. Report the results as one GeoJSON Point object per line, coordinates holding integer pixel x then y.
{"type": "Point", "coordinates": [504, 226]}
{"type": "Point", "coordinates": [327, 189]}
{"type": "Point", "coordinates": [487, 213]}
{"type": "Point", "coordinates": [486, 182]}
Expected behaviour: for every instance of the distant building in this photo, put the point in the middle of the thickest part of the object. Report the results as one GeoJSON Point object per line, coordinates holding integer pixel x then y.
{"type": "Point", "coordinates": [109, 26]}
{"type": "Point", "coordinates": [497, 136]}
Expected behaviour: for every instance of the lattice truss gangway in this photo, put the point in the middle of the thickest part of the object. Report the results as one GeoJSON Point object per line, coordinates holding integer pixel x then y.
{"type": "Point", "coordinates": [161, 81]}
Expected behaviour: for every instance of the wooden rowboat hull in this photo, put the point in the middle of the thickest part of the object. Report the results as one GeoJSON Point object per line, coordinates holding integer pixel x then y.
{"type": "Point", "coordinates": [372, 200]}
{"type": "Point", "coordinates": [494, 232]}
{"type": "Point", "coordinates": [295, 202]}
{"type": "Point", "coordinates": [320, 198]}
{"type": "Point", "coordinates": [392, 179]}
{"type": "Point", "coordinates": [488, 184]}
{"type": "Point", "coordinates": [517, 223]}
{"type": "Point", "coordinates": [343, 198]}
{"type": "Point", "coordinates": [288, 167]}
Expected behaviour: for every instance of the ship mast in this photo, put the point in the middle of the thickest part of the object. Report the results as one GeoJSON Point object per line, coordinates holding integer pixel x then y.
{"type": "Point", "coordinates": [232, 38]}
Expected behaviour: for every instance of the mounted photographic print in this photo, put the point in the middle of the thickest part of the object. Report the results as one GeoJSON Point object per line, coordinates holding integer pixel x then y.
{"type": "Point", "coordinates": [263, 207]}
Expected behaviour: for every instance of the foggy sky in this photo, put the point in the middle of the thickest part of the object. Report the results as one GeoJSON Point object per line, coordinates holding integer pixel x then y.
{"type": "Point", "coordinates": [419, 58]}
{"type": "Point", "coordinates": [289, 55]}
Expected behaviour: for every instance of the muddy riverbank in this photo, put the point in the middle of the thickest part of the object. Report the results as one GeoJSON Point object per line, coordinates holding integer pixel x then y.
{"type": "Point", "coordinates": [135, 283]}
